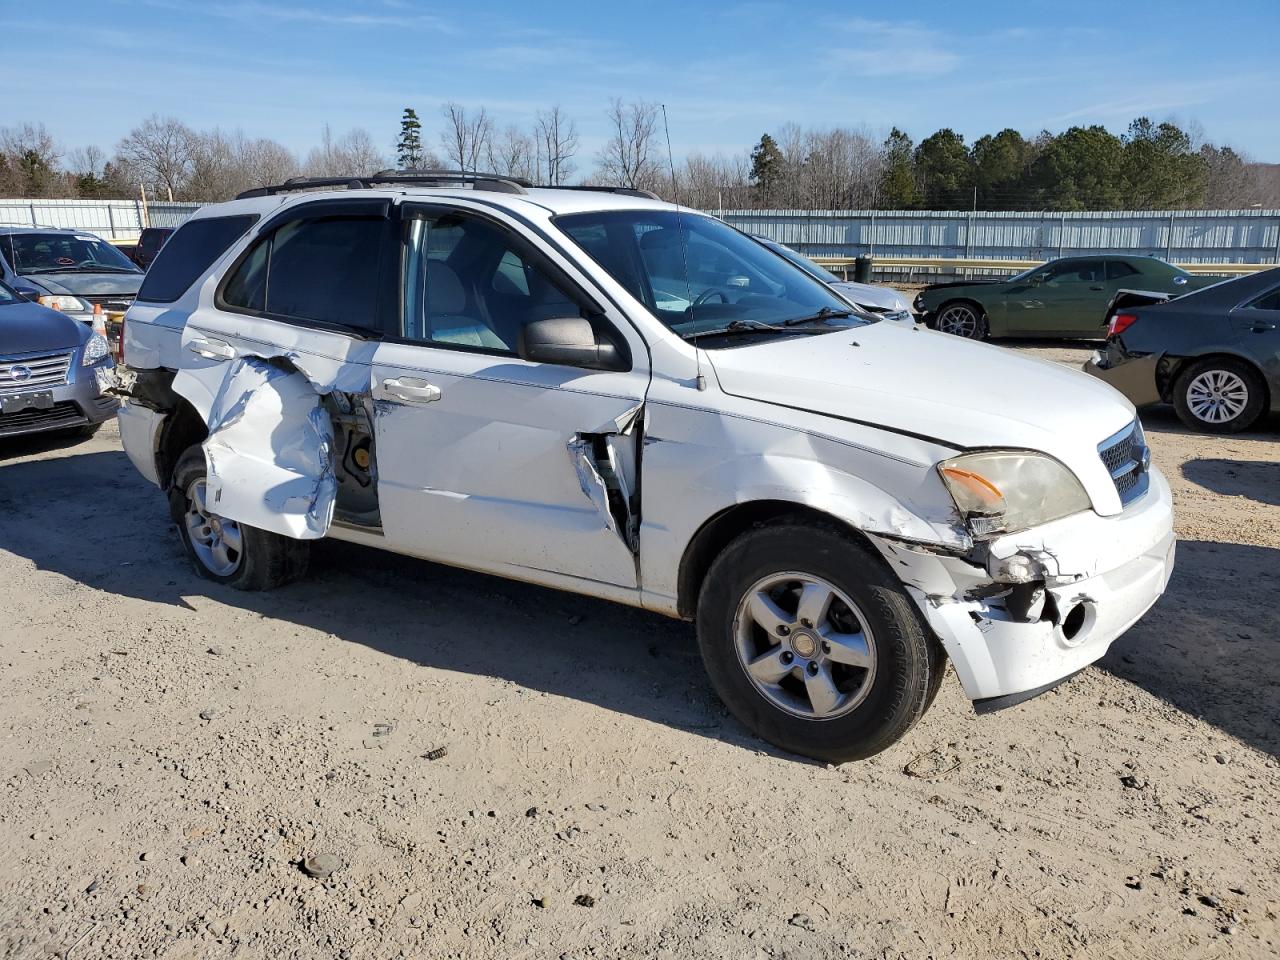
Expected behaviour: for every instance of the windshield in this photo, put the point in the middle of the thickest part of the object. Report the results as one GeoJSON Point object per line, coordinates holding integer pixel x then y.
{"type": "Point", "coordinates": [801, 261]}
{"type": "Point", "coordinates": [700, 276]}
{"type": "Point", "coordinates": [64, 253]}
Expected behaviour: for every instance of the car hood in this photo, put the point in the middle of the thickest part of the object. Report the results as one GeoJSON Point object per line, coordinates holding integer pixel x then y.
{"type": "Point", "coordinates": [30, 328]}
{"type": "Point", "coordinates": [88, 284]}
{"type": "Point", "coordinates": [959, 392]}
{"type": "Point", "coordinates": [868, 295]}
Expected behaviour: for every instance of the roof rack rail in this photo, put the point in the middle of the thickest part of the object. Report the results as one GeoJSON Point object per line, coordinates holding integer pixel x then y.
{"type": "Point", "coordinates": [625, 191]}
{"type": "Point", "coordinates": [414, 177]}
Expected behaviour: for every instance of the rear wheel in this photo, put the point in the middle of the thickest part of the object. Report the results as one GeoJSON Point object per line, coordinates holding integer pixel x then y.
{"type": "Point", "coordinates": [1219, 396]}
{"type": "Point", "coordinates": [813, 645]}
{"type": "Point", "coordinates": [224, 550]}
{"type": "Point", "coordinates": [961, 318]}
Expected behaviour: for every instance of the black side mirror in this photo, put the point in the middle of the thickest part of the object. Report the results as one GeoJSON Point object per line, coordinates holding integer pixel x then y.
{"type": "Point", "coordinates": [569, 342]}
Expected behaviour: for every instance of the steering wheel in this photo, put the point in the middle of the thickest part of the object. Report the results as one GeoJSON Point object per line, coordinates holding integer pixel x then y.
{"type": "Point", "coordinates": [707, 294]}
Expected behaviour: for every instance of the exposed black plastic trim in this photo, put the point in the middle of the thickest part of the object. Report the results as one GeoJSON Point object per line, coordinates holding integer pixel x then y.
{"type": "Point", "coordinates": [992, 704]}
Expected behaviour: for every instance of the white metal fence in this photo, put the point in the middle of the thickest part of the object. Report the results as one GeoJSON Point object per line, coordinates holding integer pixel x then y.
{"type": "Point", "coordinates": [1180, 236]}
{"type": "Point", "coordinates": [109, 219]}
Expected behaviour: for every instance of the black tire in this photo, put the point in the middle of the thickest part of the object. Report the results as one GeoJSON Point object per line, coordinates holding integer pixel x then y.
{"type": "Point", "coordinates": [909, 662]}
{"type": "Point", "coordinates": [972, 327]}
{"type": "Point", "coordinates": [266, 560]}
{"type": "Point", "coordinates": [1236, 376]}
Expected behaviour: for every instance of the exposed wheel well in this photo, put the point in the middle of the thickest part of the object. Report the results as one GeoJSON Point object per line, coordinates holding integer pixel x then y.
{"type": "Point", "coordinates": [1171, 368]}
{"type": "Point", "coordinates": [183, 428]}
{"type": "Point", "coordinates": [718, 532]}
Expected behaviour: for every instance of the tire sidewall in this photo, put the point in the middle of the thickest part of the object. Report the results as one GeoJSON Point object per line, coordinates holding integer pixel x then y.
{"type": "Point", "coordinates": [1253, 408]}
{"type": "Point", "coordinates": [906, 657]}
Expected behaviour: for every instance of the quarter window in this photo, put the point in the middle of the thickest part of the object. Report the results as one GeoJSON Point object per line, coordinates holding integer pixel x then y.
{"type": "Point", "coordinates": [470, 284]}
{"type": "Point", "coordinates": [321, 270]}
{"type": "Point", "coordinates": [188, 254]}
{"type": "Point", "coordinates": [1268, 301]}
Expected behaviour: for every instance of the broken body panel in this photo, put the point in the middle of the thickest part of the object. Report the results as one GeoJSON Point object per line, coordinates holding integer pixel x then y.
{"type": "Point", "coordinates": [599, 482]}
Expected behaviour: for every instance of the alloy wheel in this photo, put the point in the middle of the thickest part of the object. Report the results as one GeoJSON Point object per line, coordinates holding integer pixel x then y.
{"type": "Point", "coordinates": [959, 320]}
{"type": "Point", "coordinates": [805, 645]}
{"type": "Point", "coordinates": [218, 543]}
{"type": "Point", "coordinates": [1217, 396]}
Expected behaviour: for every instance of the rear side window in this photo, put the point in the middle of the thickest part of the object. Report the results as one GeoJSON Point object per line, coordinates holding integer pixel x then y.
{"type": "Point", "coordinates": [189, 253]}
{"type": "Point", "coordinates": [323, 271]}
{"type": "Point", "coordinates": [1268, 301]}
{"type": "Point", "coordinates": [1118, 270]}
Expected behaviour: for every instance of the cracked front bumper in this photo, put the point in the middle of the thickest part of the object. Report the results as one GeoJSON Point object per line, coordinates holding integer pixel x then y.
{"type": "Point", "coordinates": [1099, 575]}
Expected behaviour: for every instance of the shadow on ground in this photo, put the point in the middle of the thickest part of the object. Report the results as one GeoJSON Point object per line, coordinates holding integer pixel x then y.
{"type": "Point", "coordinates": [1256, 479]}
{"type": "Point", "coordinates": [1207, 647]}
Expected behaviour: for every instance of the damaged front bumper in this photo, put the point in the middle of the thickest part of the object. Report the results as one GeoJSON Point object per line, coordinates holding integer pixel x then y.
{"type": "Point", "coordinates": [1028, 610]}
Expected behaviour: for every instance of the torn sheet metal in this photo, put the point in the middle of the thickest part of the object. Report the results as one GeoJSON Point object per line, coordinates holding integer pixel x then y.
{"type": "Point", "coordinates": [606, 462]}
{"type": "Point", "coordinates": [269, 451]}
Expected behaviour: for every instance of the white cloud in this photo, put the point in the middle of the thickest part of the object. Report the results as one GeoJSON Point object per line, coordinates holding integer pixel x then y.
{"type": "Point", "coordinates": [883, 48]}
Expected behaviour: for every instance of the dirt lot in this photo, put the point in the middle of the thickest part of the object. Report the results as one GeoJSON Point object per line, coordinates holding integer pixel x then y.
{"type": "Point", "coordinates": [171, 751]}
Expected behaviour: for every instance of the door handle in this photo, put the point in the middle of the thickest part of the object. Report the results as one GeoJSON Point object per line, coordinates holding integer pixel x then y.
{"type": "Point", "coordinates": [211, 349]}
{"type": "Point", "coordinates": [411, 390]}
{"type": "Point", "coordinates": [1097, 288]}
{"type": "Point", "coordinates": [1263, 327]}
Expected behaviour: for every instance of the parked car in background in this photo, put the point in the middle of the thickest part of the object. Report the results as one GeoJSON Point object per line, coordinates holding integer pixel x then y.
{"type": "Point", "coordinates": [597, 391]}
{"type": "Point", "coordinates": [71, 271]}
{"type": "Point", "coordinates": [883, 302]}
{"type": "Point", "coordinates": [149, 244]}
{"type": "Point", "coordinates": [1062, 298]}
{"type": "Point", "coordinates": [1214, 354]}
{"type": "Point", "coordinates": [54, 371]}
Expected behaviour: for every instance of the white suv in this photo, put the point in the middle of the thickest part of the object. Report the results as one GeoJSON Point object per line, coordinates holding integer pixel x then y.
{"type": "Point", "coordinates": [604, 393]}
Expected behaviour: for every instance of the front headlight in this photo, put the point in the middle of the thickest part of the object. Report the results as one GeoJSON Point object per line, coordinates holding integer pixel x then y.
{"type": "Point", "coordinates": [1004, 491]}
{"type": "Point", "coordinates": [65, 303]}
{"type": "Point", "coordinates": [95, 349]}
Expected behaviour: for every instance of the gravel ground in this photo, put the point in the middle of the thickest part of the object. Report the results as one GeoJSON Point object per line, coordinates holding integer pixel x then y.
{"type": "Point", "coordinates": [174, 756]}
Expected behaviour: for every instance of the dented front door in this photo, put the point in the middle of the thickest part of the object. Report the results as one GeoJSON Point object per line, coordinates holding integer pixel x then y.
{"type": "Point", "coordinates": [494, 463]}
{"type": "Point", "coordinates": [485, 460]}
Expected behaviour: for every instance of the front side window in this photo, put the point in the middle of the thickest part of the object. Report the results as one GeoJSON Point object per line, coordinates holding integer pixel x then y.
{"type": "Point", "coordinates": [469, 283]}
{"type": "Point", "coordinates": [322, 270]}
{"type": "Point", "coordinates": [1268, 301]}
{"type": "Point", "coordinates": [701, 277]}
{"type": "Point", "coordinates": [37, 253]}
{"type": "Point", "coordinates": [1076, 271]}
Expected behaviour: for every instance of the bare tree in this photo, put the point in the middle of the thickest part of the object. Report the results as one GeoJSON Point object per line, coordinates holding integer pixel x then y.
{"type": "Point", "coordinates": [29, 162]}
{"type": "Point", "coordinates": [224, 164]}
{"type": "Point", "coordinates": [351, 155]}
{"type": "Point", "coordinates": [627, 158]}
{"type": "Point", "coordinates": [556, 139]}
{"type": "Point", "coordinates": [715, 183]}
{"type": "Point", "coordinates": [511, 153]}
{"type": "Point", "coordinates": [465, 138]}
{"type": "Point", "coordinates": [161, 150]}
{"type": "Point", "coordinates": [87, 161]}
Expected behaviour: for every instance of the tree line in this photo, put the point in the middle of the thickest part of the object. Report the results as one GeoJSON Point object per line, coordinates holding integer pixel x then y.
{"type": "Point", "coordinates": [1150, 166]}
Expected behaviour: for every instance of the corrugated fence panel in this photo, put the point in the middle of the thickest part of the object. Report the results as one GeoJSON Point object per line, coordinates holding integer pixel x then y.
{"type": "Point", "coordinates": [110, 219]}
{"type": "Point", "coordinates": [1184, 236]}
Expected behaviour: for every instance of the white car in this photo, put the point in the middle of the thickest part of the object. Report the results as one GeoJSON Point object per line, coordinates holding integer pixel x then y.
{"type": "Point", "coordinates": [603, 393]}
{"type": "Point", "coordinates": [880, 301]}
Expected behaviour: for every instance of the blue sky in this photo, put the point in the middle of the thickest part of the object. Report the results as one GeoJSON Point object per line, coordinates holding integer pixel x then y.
{"type": "Point", "coordinates": [90, 69]}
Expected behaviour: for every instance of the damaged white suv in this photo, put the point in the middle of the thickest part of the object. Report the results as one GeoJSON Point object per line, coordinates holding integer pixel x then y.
{"type": "Point", "coordinates": [603, 393]}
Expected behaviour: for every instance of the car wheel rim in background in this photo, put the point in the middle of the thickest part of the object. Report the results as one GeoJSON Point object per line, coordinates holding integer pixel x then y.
{"type": "Point", "coordinates": [958, 321]}
{"type": "Point", "coordinates": [1217, 396]}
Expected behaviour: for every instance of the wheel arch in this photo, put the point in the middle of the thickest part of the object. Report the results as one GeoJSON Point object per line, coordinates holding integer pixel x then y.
{"type": "Point", "coordinates": [720, 530]}
{"type": "Point", "coordinates": [968, 299]}
{"type": "Point", "coordinates": [1169, 374]}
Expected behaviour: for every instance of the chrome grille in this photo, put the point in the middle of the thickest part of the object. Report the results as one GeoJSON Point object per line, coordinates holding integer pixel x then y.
{"type": "Point", "coordinates": [1127, 459]}
{"type": "Point", "coordinates": [36, 370]}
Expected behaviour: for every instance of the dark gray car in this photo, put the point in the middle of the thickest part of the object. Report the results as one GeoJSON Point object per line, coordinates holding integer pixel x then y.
{"type": "Point", "coordinates": [54, 371]}
{"type": "Point", "coordinates": [1214, 354]}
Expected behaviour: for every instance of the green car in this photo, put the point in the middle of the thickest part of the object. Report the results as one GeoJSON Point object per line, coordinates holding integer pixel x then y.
{"type": "Point", "coordinates": [1062, 298]}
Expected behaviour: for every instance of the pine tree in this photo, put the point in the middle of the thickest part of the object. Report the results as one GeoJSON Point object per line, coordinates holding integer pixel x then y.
{"type": "Point", "coordinates": [409, 146]}
{"type": "Point", "coordinates": [768, 167]}
{"type": "Point", "coordinates": [898, 183]}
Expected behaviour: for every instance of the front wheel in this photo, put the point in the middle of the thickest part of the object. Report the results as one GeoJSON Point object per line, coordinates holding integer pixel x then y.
{"type": "Point", "coordinates": [1219, 396]}
{"type": "Point", "coordinates": [224, 550]}
{"type": "Point", "coordinates": [962, 319]}
{"type": "Point", "coordinates": [813, 645]}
